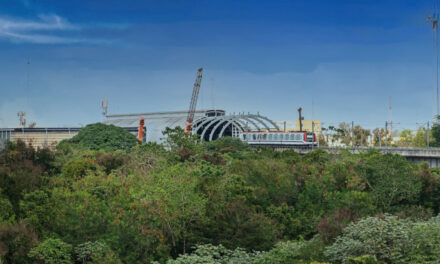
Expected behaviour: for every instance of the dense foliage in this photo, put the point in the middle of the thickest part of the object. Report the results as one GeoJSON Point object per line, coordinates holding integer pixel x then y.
{"type": "Point", "coordinates": [213, 202]}
{"type": "Point", "coordinates": [100, 136]}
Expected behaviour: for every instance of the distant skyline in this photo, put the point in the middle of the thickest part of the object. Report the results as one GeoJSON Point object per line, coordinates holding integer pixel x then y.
{"type": "Point", "coordinates": [338, 60]}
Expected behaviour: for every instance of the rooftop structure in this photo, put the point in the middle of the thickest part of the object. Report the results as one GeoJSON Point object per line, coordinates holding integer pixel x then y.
{"type": "Point", "coordinates": [47, 137]}
{"type": "Point", "coordinates": [209, 124]}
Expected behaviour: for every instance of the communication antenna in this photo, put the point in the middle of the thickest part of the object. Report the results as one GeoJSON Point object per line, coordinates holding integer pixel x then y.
{"type": "Point", "coordinates": [104, 106]}
{"type": "Point", "coordinates": [21, 116]}
{"type": "Point", "coordinates": [433, 19]}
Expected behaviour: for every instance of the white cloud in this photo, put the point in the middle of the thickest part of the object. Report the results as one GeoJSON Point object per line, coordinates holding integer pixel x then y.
{"type": "Point", "coordinates": [38, 31]}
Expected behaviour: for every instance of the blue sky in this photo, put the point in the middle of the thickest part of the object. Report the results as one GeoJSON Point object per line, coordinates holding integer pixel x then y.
{"type": "Point", "coordinates": [340, 60]}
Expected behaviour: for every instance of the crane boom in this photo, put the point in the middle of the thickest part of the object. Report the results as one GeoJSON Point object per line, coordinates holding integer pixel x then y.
{"type": "Point", "coordinates": [193, 103]}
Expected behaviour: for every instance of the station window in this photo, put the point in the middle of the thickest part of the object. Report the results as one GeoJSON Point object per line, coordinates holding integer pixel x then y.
{"type": "Point", "coordinates": [264, 136]}
{"type": "Point", "coordinates": [275, 137]}
{"type": "Point", "coordinates": [269, 137]}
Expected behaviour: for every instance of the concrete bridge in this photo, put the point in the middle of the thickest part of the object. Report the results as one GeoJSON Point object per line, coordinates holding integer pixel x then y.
{"type": "Point", "coordinates": [429, 155]}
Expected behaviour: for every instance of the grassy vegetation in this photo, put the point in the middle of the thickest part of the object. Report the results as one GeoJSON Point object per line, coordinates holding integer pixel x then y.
{"type": "Point", "coordinates": [212, 202]}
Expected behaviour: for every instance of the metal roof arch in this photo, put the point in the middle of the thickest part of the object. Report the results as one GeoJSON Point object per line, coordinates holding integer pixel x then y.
{"type": "Point", "coordinates": [228, 120]}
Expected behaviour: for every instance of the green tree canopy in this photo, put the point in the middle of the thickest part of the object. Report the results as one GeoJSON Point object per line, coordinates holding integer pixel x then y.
{"type": "Point", "coordinates": [104, 137]}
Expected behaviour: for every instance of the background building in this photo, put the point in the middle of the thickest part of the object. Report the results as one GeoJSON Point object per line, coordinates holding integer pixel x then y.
{"type": "Point", "coordinates": [47, 137]}
{"type": "Point", "coordinates": [208, 124]}
{"type": "Point", "coordinates": [307, 125]}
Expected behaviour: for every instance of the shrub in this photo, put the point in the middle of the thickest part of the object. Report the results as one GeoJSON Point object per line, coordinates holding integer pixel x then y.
{"type": "Point", "coordinates": [96, 252]}
{"type": "Point", "coordinates": [15, 242]}
{"type": "Point", "coordinates": [425, 241]}
{"type": "Point", "coordinates": [52, 251]}
{"type": "Point", "coordinates": [78, 168]}
{"type": "Point", "coordinates": [385, 238]}
{"type": "Point", "coordinates": [363, 260]}
{"type": "Point", "coordinates": [293, 252]}
{"type": "Point", "coordinates": [215, 255]}
{"type": "Point", "coordinates": [6, 211]}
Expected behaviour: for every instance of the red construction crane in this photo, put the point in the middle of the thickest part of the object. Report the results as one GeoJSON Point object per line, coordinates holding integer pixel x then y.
{"type": "Point", "coordinates": [193, 104]}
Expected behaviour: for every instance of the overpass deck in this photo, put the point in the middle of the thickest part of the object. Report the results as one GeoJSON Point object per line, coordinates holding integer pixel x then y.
{"type": "Point", "coordinates": [429, 155]}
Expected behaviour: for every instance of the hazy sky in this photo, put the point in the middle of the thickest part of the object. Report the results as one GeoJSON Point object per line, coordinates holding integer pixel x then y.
{"type": "Point", "coordinates": [339, 60]}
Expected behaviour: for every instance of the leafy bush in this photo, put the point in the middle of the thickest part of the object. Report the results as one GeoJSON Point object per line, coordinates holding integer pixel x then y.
{"type": "Point", "coordinates": [6, 211]}
{"type": "Point", "coordinates": [293, 252]}
{"type": "Point", "coordinates": [104, 137]}
{"type": "Point", "coordinates": [390, 179]}
{"type": "Point", "coordinates": [96, 252]}
{"type": "Point", "coordinates": [386, 238]}
{"type": "Point", "coordinates": [78, 168]}
{"type": "Point", "coordinates": [425, 241]}
{"type": "Point", "coordinates": [15, 242]}
{"type": "Point", "coordinates": [363, 260]}
{"type": "Point", "coordinates": [215, 255]}
{"type": "Point", "coordinates": [52, 251]}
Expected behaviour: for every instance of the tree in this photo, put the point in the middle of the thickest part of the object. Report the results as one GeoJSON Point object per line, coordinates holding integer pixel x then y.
{"type": "Point", "coordinates": [390, 180]}
{"type": "Point", "coordinates": [52, 251]}
{"type": "Point", "coordinates": [343, 133]}
{"type": "Point", "coordinates": [361, 136]}
{"type": "Point", "coordinates": [425, 238]}
{"type": "Point", "coordinates": [381, 137]}
{"type": "Point", "coordinates": [106, 137]}
{"type": "Point", "coordinates": [96, 252]}
{"type": "Point", "coordinates": [420, 138]}
{"type": "Point", "coordinates": [290, 252]}
{"type": "Point", "coordinates": [385, 238]}
{"type": "Point", "coordinates": [181, 144]}
{"type": "Point", "coordinates": [357, 136]}
{"type": "Point", "coordinates": [15, 242]}
{"type": "Point", "coordinates": [321, 139]}
{"type": "Point", "coordinates": [406, 138]}
{"type": "Point", "coordinates": [215, 255]}
{"type": "Point", "coordinates": [436, 132]}
{"type": "Point", "coordinates": [171, 202]}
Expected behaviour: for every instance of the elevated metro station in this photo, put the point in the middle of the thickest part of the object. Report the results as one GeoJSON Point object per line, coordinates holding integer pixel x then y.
{"type": "Point", "coordinates": [208, 124]}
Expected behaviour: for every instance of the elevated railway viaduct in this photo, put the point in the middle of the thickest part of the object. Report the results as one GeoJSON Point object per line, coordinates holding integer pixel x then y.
{"type": "Point", "coordinates": [429, 155]}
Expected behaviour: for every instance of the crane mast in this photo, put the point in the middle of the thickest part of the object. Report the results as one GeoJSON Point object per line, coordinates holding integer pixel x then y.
{"type": "Point", "coordinates": [193, 103]}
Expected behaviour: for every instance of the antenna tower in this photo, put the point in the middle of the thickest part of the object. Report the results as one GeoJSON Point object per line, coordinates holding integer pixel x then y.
{"type": "Point", "coordinates": [21, 116]}
{"type": "Point", "coordinates": [433, 19]}
{"type": "Point", "coordinates": [104, 106]}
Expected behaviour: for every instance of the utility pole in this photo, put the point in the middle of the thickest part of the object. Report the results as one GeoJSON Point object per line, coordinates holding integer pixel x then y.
{"type": "Point", "coordinates": [300, 119]}
{"type": "Point", "coordinates": [386, 133]}
{"type": "Point", "coordinates": [352, 134]}
{"type": "Point", "coordinates": [380, 141]}
{"type": "Point", "coordinates": [427, 135]}
{"type": "Point", "coordinates": [313, 132]}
